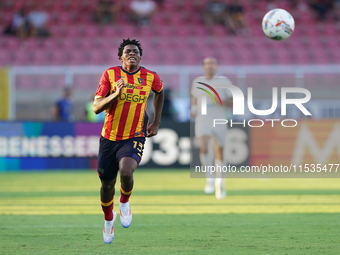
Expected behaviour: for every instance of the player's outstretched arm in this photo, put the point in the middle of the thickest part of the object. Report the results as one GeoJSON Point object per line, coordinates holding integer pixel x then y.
{"type": "Point", "coordinates": [101, 104]}
{"type": "Point", "coordinates": [193, 107]}
{"type": "Point", "coordinates": [158, 101]}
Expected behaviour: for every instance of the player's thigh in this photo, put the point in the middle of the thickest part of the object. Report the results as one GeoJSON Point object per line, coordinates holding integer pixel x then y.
{"type": "Point", "coordinates": [133, 150]}
{"type": "Point", "coordinates": [203, 128]}
{"type": "Point", "coordinates": [107, 161]}
{"type": "Point", "coordinates": [127, 166]}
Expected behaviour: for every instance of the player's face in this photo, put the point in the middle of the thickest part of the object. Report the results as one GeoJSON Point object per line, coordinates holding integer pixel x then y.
{"type": "Point", "coordinates": [210, 66]}
{"type": "Point", "coordinates": [67, 92]}
{"type": "Point", "coordinates": [131, 56]}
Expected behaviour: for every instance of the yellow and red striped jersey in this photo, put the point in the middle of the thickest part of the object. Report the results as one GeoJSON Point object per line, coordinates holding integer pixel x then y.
{"type": "Point", "coordinates": [125, 118]}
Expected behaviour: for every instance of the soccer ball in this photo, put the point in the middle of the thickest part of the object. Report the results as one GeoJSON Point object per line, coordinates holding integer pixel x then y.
{"type": "Point", "coordinates": [278, 24]}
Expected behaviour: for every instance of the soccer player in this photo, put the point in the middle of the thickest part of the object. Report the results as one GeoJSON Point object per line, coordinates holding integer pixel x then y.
{"type": "Point", "coordinates": [122, 93]}
{"type": "Point", "coordinates": [204, 129]}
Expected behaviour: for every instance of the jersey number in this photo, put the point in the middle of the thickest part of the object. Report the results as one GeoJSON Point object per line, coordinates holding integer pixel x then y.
{"type": "Point", "coordinates": [140, 146]}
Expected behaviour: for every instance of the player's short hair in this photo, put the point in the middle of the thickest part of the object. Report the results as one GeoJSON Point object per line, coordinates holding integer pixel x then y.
{"type": "Point", "coordinates": [210, 58]}
{"type": "Point", "coordinates": [127, 42]}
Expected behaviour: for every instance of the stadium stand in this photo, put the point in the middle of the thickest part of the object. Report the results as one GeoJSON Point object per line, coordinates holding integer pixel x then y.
{"type": "Point", "coordinates": [177, 28]}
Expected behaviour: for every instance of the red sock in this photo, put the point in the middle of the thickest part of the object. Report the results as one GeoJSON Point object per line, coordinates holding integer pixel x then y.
{"type": "Point", "coordinates": [124, 195]}
{"type": "Point", "coordinates": [107, 209]}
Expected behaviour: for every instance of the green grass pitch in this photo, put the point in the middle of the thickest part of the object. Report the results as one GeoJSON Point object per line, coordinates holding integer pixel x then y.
{"type": "Point", "coordinates": [59, 213]}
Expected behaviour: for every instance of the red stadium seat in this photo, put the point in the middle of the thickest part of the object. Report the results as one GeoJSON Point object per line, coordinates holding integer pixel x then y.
{"type": "Point", "coordinates": [330, 30]}
{"type": "Point", "coordinates": [91, 31]}
{"type": "Point", "coordinates": [78, 57]}
{"type": "Point", "coordinates": [32, 44]}
{"type": "Point", "coordinates": [283, 57]}
{"type": "Point", "coordinates": [66, 18]}
{"type": "Point", "coordinates": [22, 57]}
{"type": "Point", "coordinates": [170, 6]}
{"type": "Point", "coordinates": [333, 43]}
{"type": "Point", "coordinates": [301, 56]}
{"type": "Point", "coordinates": [56, 6]}
{"type": "Point", "coordinates": [42, 57]}
{"type": "Point", "coordinates": [320, 57]}
{"type": "Point", "coordinates": [11, 43]}
{"type": "Point", "coordinates": [60, 57]}
{"type": "Point", "coordinates": [263, 56]}
{"type": "Point", "coordinates": [52, 43]}
{"type": "Point", "coordinates": [168, 58]}
{"type": "Point", "coordinates": [177, 28]}
{"type": "Point", "coordinates": [335, 57]}
{"type": "Point", "coordinates": [68, 43]}
{"type": "Point", "coordinates": [73, 31]}
{"type": "Point", "coordinates": [158, 19]}
{"type": "Point", "coordinates": [98, 57]}
{"type": "Point", "coordinates": [6, 57]}
{"type": "Point", "coordinates": [219, 31]}
{"type": "Point", "coordinates": [226, 57]}
{"type": "Point", "coordinates": [58, 30]}
{"type": "Point", "coordinates": [144, 31]}
{"type": "Point", "coordinates": [85, 81]}
{"type": "Point", "coordinates": [86, 43]}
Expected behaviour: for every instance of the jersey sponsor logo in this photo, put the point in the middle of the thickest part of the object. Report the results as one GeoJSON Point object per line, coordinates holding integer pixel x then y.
{"type": "Point", "coordinates": [133, 98]}
{"type": "Point", "coordinates": [132, 86]}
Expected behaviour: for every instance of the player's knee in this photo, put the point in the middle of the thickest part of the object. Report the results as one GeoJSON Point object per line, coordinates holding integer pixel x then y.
{"type": "Point", "coordinates": [108, 186]}
{"type": "Point", "coordinates": [126, 173]}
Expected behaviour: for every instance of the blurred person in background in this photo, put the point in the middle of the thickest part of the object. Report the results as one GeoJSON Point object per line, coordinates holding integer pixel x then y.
{"type": "Point", "coordinates": [160, 3]}
{"type": "Point", "coordinates": [20, 25]}
{"type": "Point", "coordinates": [272, 4]}
{"type": "Point", "coordinates": [38, 19]}
{"type": "Point", "coordinates": [63, 109]}
{"type": "Point", "coordinates": [216, 13]}
{"type": "Point", "coordinates": [106, 12]}
{"type": "Point", "coordinates": [321, 8]}
{"type": "Point", "coordinates": [235, 17]}
{"type": "Point", "coordinates": [168, 111]}
{"type": "Point", "coordinates": [204, 129]}
{"type": "Point", "coordinates": [142, 11]}
{"type": "Point", "coordinates": [297, 8]}
{"type": "Point", "coordinates": [336, 10]}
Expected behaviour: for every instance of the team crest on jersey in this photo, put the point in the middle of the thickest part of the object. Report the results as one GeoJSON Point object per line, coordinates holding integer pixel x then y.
{"type": "Point", "coordinates": [140, 81]}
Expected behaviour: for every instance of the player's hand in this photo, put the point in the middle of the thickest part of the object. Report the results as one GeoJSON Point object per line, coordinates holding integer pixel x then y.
{"type": "Point", "coordinates": [193, 110]}
{"type": "Point", "coordinates": [120, 85]}
{"type": "Point", "coordinates": [152, 130]}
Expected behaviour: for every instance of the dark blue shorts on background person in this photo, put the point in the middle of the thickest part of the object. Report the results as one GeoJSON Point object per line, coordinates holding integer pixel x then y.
{"type": "Point", "coordinates": [111, 152]}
